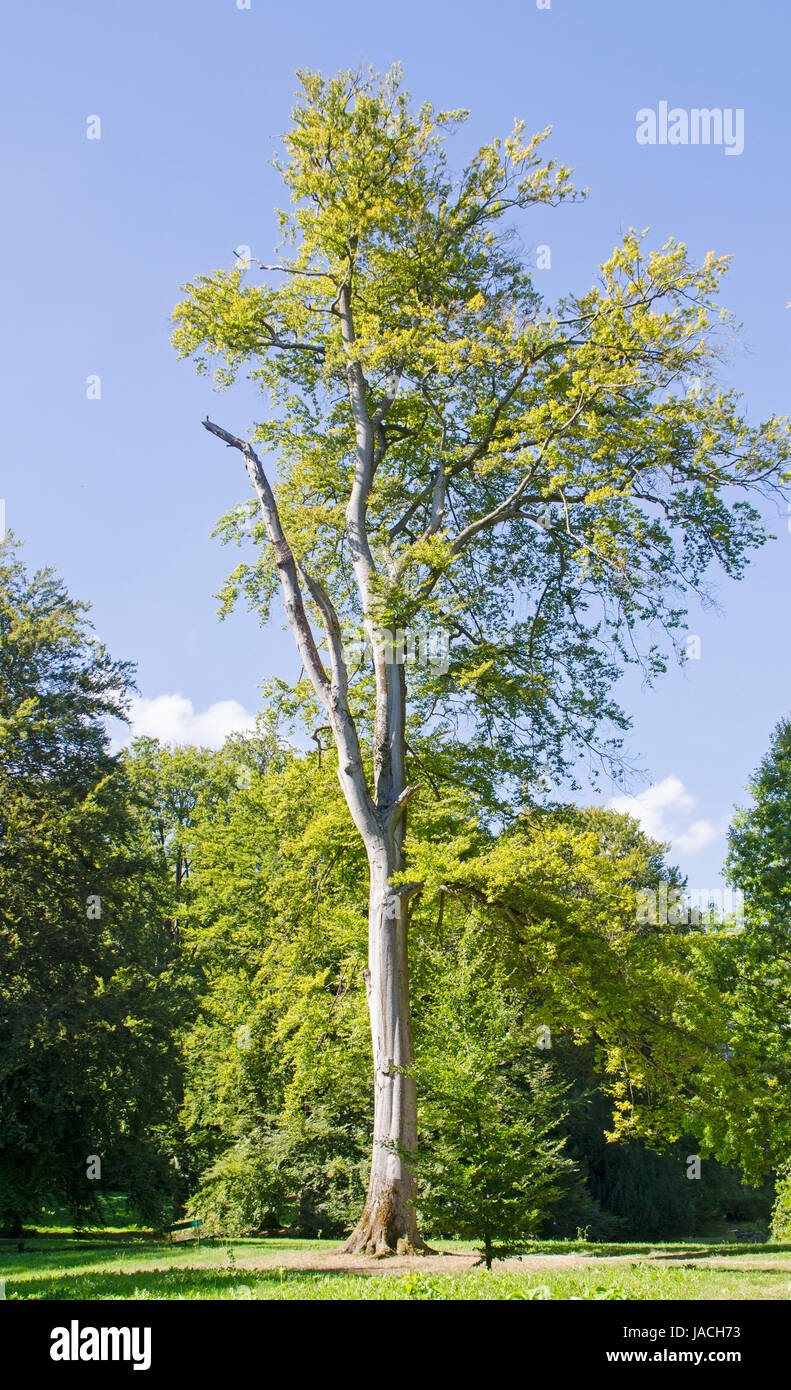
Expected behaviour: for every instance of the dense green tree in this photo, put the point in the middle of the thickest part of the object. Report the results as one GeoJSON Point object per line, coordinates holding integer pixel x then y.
{"type": "Point", "coordinates": [759, 850]}
{"type": "Point", "coordinates": [560, 890]}
{"type": "Point", "coordinates": [450, 454]}
{"type": "Point", "coordinates": [635, 1190]}
{"type": "Point", "coordinates": [88, 986]}
{"type": "Point", "coordinates": [753, 970]}
{"type": "Point", "coordinates": [57, 682]}
{"type": "Point", "coordinates": [277, 1102]}
{"type": "Point", "coordinates": [490, 1160]}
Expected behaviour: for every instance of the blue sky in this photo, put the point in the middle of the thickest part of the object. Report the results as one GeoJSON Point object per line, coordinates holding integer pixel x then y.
{"type": "Point", "coordinates": [120, 493]}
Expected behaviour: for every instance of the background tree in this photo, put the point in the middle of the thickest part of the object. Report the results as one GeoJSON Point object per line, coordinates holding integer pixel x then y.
{"type": "Point", "coordinates": [173, 791]}
{"type": "Point", "coordinates": [753, 971]}
{"type": "Point", "coordinates": [560, 888]}
{"type": "Point", "coordinates": [277, 1101]}
{"type": "Point", "coordinates": [637, 1188]}
{"type": "Point", "coordinates": [57, 683]}
{"type": "Point", "coordinates": [173, 785]}
{"type": "Point", "coordinates": [88, 990]}
{"type": "Point", "coordinates": [446, 443]}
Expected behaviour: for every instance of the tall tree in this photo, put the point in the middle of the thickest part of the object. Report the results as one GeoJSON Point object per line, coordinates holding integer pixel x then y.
{"type": "Point", "coordinates": [756, 967]}
{"type": "Point", "coordinates": [88, 1002]}
{"type": "Point", "coordinates": [453, 454]}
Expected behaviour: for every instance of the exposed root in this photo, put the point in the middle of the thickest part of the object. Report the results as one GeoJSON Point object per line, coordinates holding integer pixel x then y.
{"type": "Point", "coordinates": [377, 1237]}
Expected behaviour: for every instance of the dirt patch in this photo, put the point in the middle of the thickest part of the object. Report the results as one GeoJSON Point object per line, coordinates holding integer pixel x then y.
{"type": "Point", "coordinates": [335, 1262]}
{"type": "Point", "coordinates": [422, 1264]}
{"type": "Point", "coordinates": [330, 1261]}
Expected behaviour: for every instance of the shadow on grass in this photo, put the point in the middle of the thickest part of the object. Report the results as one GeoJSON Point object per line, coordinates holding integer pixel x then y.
{"type": "Point", "coordinates": [189, 1283]}
{"type": "Point", "coordinates": [66, 1256]}
{"type": "Point", "coordinates": [724, 1251]}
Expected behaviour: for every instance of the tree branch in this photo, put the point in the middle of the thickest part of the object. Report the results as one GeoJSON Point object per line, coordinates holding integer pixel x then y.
{"type": "Point", "coordinates": [356, 533]}
{"type": "Point", "coordinates": [332, 695]}
{"type": "Point", "coordinates": [400, 805]}
{"type": "Point", "coordinates": [284, 558]}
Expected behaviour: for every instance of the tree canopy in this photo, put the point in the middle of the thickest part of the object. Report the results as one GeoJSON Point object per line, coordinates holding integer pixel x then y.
{"type": "Point", "coordinates": [452, 452]}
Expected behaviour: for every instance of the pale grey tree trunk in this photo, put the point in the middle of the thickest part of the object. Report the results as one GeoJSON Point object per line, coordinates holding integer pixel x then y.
{"type": "Point", "coordinates": [388, 1223]}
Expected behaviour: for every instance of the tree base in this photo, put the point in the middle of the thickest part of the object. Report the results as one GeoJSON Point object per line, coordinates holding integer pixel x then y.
{"type": "Point", "coordinates": [362, 1243]}
{"type": "Point", "coordinates": [389, 1228]}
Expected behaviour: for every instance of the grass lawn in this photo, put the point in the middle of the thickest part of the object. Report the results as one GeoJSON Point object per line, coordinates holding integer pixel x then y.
{"type": "Point", "coordinates": [118, 1265]}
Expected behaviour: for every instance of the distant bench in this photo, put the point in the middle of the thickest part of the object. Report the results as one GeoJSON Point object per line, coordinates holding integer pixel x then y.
{"type": "Point", "coordinates": [190, 1226]}
{"type": "Point", "coordinates": [14, 1243]}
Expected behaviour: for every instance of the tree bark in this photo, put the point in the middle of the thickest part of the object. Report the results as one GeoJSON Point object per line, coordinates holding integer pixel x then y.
{"type": "Point", "coordinates": [388, 1224]}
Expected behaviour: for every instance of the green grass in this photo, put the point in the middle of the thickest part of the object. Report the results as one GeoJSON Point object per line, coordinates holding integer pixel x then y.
{"type": "Point", "coordinates": [130, 1265]}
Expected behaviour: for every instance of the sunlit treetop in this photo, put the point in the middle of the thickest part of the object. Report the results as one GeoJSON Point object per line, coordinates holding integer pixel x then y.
{"type": "Point", "coordinates": [548, 483]}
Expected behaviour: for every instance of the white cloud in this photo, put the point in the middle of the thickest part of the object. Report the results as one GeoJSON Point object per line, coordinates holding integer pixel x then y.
{"type": "Point", "coordinates": [173, 719]}
{"type": "Point", "coordinates": [662, 810]}
{"type": "Point", "coordinates": [697, 837]}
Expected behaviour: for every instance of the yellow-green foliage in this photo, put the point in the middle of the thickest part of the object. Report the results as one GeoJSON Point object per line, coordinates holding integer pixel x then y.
{"type": "Point", "coordinates": [576, 466]}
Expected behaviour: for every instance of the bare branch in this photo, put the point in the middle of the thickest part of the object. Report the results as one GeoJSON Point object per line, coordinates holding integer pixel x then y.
{"type": "Point", "coordinates": [332, 628]}
{"type": "Point", "coordinates": [290, 270]}
{"type": "Point", "coordinates": [400, 805]}
{"type": "Point", "coordinates": [332, 695]}
{"type": "Point", "coordinates": [284, 558]}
